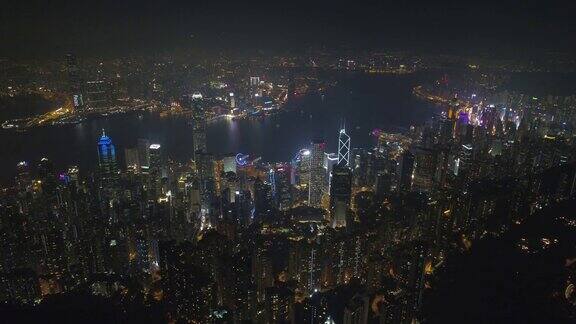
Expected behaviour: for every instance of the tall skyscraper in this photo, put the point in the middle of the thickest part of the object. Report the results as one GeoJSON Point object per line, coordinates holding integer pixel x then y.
{"type": "Point", "coordinates": [272, 182]}
{"type": "Point", "coordinates": [279, 304]}
{"type": "Point", "coordinates": [232, 100]}
{"type": "Point", "coordinates": [360, 166]}
{"type": "Point", "coordinates": [283, 192]}
{"type": "Point", "coordinates": [107, 161]}
{"type": "Point", "coordinates": [155, 157]}
{"type": "Point", "coordinates": [144, 154]}
{"type": "Point", "coordinates": [330, 161]}
{"type": "Point", "coordinates": [343, 148]}
{"type": "Point", "coordinates": [405, 171]}
{"type": "Point", "coordinates": [74, 81]}
{"type": "Point", "coordinates": [205, 168]}
{"type": "Point", "coordinates": [263, 200]}
{"type": "Point", "coordinates": [446, 130]}
{"type": "Point", "coordinates": [155, 169]}
{"type": "Point", "coordinates": [382, 187]}
{"type": "Point", "coordinates": [97, 93]}
{"type": "Point", "coordinates": [23, 179]}
{"type": "Point", "coordinates": [132, 160]}
{"type": "Point", "coordinates": [303, 167]}
{"type": "Point", "coordinates": [229, 163]}
{"type": "Point", "coordinates": [255, 93]}
{"type": "Point", "coordinates": [199, 135]}
{"type": "Point", "coordinates": [199, 126]}
{"type": "Point", "coordinates": [317, 173]}
{"type": "Point", "coordinates": [340, 194]}
{"type": "Point", "coordinates": [424, 168]}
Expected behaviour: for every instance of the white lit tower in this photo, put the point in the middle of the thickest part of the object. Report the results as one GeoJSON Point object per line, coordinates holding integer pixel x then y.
{"type": "Point", "coordinates": [343, 148]}
{"type": "Point", "coordinates": [232, 100]}
{"type": "Point", "coordinates": [155, 170]}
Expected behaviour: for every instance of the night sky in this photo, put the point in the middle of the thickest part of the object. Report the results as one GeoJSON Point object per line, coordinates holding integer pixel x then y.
{"type": "Point", "coordinates": [43, 28]}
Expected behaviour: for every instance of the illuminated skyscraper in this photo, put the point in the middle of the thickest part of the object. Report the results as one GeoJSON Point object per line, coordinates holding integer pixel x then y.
{"type": "Point", "coordinates": [340, 194]}
{"type": "Point", "coordinates": [155, 169]}
{"type": "Point", "coordinates": [424, 169]}
{"type": "Point", "coordinates": [255, 93]}
{"type": "Point", "coordinates": [205, 168]}
{"type": "Point", "coordinates": [132, 160]}
{"type": "Point", "coordinates": [199, 135]}
{"type": "Point", "coordinates": [73, 173]}
{"type": "Point", "coordinates": [155, 158]}
{"type": "Point", "coordinates": [23, 179]}
{"type": "Point", "coordinates": [74, 81]}
{"type": "Point", "coordinates": [272, 182]}
{"type": "Point", "coordinates": [107, 161]}
{"type": "Point", "coordinates": [194, 203]}
{"type": "Point", "coordinates": [302, 164]}
{"type": "Point", "coordinates": [360, 162]}
{"type": "Point", "coordinates": [343, 148]}
{"type": "Point", "coordinates": [199, 127]}
{"type": "Point", "coordinates": [232, 100]}
{"type": "Point", "coordinates": [279, 303]}
{"type": "Point", "coordinates": [97, 93]}
{"type": "Point", "coordinates": [263, 200]}
{"type": "Point", "coordinates": [229, 163]}
{"type": "Point", "coordinates": [254, 81]}
{"type": "Point", "coordinates": [144, 153]}
{"type": "Point", "coordinates": [317, 173]}
{"type": "Point", "coordinates": [283, 194]}
{"type": "Point", "coordinates": [330, 161]}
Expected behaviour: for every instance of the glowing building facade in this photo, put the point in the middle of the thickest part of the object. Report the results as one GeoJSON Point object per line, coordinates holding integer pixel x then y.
{"type": "Point", "coordinates": [317, 173]}
{"type": "Point", "coordinates": [343, 148]}
{"type": "Point", "coordinates": [107, 161]}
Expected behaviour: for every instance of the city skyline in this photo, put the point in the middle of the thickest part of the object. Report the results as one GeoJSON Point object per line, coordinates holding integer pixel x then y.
{"type": "Point", "coordinates": [264, 163]}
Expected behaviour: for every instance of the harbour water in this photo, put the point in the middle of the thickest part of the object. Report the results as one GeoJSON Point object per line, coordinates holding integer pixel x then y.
{"type": "Point", "coordinates": [364, 102]}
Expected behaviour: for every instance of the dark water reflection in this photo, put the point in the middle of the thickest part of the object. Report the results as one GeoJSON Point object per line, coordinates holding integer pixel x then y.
{"type": "Point", "coordinates": [365, 102]}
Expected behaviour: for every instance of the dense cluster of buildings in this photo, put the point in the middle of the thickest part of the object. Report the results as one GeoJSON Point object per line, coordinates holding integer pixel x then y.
{"type": "Point", "coordinates": [329, 237]}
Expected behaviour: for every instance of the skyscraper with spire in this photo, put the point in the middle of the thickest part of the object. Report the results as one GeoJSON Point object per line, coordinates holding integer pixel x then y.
{"type": "Point", "coordinates": [341, 181]}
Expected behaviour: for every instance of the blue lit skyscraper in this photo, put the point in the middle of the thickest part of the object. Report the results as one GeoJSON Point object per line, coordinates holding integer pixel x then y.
{"type": "Point", "coordinates": [107, 161]}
